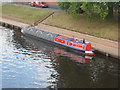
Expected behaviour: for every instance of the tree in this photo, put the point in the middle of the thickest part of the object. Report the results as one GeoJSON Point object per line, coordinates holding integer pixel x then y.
{"type": "Point", "coordinates": [64, 5]}
{"type": "Point", "coordinates": [112, 7]}
{"type": "Point", "coordinates": [72, 8]}
{"type": "Point", "coordinates": [104, 9]}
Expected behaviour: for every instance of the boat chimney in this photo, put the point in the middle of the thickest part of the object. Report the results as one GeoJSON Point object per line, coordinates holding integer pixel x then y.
{"type": "Point", "coordinates": [83, 40]}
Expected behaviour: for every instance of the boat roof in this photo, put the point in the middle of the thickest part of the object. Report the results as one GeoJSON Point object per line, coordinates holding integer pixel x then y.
{"type": "Point", "coordinates": [63, 37]}
{"type": "Point", "coordinates": [72, 39]}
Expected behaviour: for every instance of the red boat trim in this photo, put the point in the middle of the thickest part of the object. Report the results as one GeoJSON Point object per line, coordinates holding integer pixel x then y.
{"type": "Point", "coordinates": [73, 43]}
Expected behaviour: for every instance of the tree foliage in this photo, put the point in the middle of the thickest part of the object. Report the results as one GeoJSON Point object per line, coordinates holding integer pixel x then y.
{"type": "Point", "coordinates": [73, 8]}
{"type": "Point", "coordinates": [64, 5]}
{"type": "Point", "coordinates": [103, 9]}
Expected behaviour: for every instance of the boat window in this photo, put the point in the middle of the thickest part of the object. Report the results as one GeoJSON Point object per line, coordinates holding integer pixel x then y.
{"type": "Point", "coordinates": [77, 41]}
{"type": "Point", "coordinates": [71, 39]}
{"type": "Point", "coordinates": [41, 2]}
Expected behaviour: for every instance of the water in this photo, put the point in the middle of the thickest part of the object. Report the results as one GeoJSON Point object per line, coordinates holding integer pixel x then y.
{"type": "Point", "coordinates": [29, 63]}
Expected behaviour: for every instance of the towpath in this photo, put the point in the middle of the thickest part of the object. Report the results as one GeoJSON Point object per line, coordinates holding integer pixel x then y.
{"type": "Point", "coordinates": [13, 22]}
{"type": "Point", "coordinates": [100, 44]}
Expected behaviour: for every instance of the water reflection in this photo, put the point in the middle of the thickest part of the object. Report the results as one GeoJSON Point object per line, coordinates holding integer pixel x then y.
{"type": "Point", "coordinates": [75, 57]}
{"type": "Point", "coordinates": [30, 63]}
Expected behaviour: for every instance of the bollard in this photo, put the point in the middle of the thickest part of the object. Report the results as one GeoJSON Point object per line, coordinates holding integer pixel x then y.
{"type": "Point", "coordinates": [107, 54]}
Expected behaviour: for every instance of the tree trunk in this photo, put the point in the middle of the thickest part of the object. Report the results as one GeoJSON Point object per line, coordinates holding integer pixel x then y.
{"type": "Point", "coordinates": [110, 11]}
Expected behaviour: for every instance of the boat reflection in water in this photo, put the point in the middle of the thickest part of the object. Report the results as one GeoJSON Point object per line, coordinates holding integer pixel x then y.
{"type": "Point", "coordinates": [75, 57]}
{"type": "Point", "coordinates": [53, 51]}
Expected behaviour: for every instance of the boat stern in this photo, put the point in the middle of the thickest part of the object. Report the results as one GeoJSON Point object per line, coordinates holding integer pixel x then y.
{"type": "Point", "coordinates": [88, 49]}
{"type": "Point", "coordinates": [89, 53]}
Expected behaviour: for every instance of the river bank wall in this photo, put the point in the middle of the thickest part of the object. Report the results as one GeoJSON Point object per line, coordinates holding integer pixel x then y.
{"type": "Point", "coordinates": [103, 46]}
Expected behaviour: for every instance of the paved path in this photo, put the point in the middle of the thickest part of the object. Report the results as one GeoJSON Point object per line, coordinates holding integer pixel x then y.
{"type": "Point", "coordinates": [103, 45]}
{"type": "Point", "coordinates": [12, 22]}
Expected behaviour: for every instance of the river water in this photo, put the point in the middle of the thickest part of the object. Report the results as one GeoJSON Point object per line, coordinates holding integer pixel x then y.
{"type": "Point", "coordinates": [29, 63]}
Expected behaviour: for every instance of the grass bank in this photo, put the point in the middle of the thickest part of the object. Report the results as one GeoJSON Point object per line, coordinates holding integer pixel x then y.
{"type": "Point", "coordinates": [106, 29]}
{"type": "Point", "coordinates": [24, 13]}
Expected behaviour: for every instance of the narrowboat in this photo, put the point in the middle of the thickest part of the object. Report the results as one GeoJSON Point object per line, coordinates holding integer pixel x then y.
{"type": "Point", "coordinates": [75, 44]}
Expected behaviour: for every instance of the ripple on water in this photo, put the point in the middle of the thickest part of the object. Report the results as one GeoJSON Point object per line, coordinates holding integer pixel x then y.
{"type": "Point", "coordinates": [34, 64]}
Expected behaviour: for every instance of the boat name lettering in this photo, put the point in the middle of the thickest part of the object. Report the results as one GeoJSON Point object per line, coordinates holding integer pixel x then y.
{"type": "Point", "coordinates": [69, 43]}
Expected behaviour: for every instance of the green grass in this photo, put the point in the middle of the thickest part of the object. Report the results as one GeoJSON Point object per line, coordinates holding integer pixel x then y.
{"type": "Point", "coordinates": [24, 13]}
{"type": "Point", "coordinates": [106, 29]}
